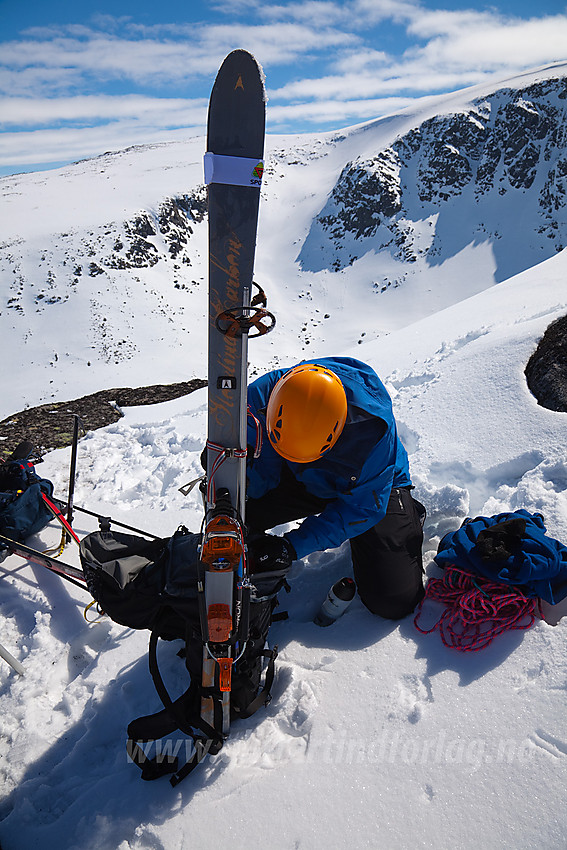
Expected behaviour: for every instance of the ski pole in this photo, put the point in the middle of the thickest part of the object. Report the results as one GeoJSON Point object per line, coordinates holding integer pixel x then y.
{"type": "Point", "coordinates": [72, 472]}
{"type": "Point", "coordinates": [11, 660]}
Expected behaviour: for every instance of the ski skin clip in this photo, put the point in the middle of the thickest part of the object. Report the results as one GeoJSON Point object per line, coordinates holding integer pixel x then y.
{"type": "Point", "coordinates": [225, 674]}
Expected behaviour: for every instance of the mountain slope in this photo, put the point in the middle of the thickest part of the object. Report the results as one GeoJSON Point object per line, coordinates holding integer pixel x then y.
{"type": "Point", "coordinates": [457, 179]}
{"type": "Point", "coordinates": [103, 264]}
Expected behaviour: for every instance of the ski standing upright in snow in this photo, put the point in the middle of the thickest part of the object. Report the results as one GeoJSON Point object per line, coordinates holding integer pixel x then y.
{"type": "Point", "coordinates": [233, 173]}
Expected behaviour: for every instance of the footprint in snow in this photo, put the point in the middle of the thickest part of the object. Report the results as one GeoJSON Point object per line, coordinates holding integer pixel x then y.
{"type": "Point", "coordinates": [550, 744]}
{"type": "Point", "coordinates": [295, 716]}
{"type": "Point", "coordinates": [414, 695]}
{"type": "Point", "coordinates": [448, 348]}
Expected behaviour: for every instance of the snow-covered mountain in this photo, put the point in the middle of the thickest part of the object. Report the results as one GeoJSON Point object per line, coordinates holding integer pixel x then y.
{"type": "Point", "coordinates": [455, 179]}
{"type": "Point", "coordinates": [103, 263]}
{"type": "Point", "coordinates": [377, 736]}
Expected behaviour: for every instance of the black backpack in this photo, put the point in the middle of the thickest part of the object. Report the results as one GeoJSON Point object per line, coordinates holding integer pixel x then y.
{"type": "Point", "coordinates": [153, 584]}
{"type": "Point", "coordinates": [23, 511]}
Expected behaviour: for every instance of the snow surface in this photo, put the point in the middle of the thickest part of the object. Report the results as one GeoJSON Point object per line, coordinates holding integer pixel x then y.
{"type": "Point", "coordinates": [377, 736]}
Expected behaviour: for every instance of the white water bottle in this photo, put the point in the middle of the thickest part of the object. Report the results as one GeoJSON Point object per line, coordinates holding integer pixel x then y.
{"type": "Point", "coordinates": [336, 602]}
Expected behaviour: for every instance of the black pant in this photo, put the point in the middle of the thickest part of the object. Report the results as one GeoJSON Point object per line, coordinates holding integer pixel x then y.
{"type": "Point", "coordinates": [386, 559]}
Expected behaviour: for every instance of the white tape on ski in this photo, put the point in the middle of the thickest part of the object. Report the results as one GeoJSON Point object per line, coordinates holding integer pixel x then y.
{"type": "Point", "coordinates": [233, 170]}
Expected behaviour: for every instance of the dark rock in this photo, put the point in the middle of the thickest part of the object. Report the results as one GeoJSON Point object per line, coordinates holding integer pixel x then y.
{"type": "Point", "coordinates": [173, 224]}
{"type": "Point", "coordinates": [142, 226]}
{"type": "Point", "coordinates": [50, 426]}
{"type": "Point", "coordinates": [546, 371]}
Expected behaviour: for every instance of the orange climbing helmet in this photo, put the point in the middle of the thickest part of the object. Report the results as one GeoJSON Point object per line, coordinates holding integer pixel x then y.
{"type": "Point", "coordinates": [306, 412]}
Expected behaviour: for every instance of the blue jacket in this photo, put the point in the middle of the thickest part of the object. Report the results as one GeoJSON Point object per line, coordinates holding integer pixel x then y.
{"type": "Point", "coordinates": [356, 474]}
{"type": "Point", "coordinates": [539, 566]}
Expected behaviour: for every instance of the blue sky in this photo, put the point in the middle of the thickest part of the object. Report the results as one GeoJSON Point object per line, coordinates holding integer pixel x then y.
{"type": "Point", "coordinates": [81, 78]}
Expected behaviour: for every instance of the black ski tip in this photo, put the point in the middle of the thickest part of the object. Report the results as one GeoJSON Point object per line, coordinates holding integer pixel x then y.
{"type": "Point", "coordinates": [237, 108]}
{"type": "Point", "coordinates": [239, 57]}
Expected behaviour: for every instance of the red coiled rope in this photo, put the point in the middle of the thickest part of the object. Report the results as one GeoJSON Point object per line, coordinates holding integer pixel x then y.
{"type": "Point", "coordinates": [477, 609]}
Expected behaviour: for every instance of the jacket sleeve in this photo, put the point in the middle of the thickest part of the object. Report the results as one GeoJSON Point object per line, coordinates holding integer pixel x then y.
{"type": "Point", "coordinates": [350, 514]}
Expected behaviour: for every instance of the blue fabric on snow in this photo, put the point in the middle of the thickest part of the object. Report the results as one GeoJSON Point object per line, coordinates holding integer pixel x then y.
{"type": "Point", "coordinates": [539, 566]}
{"type": "Point", "coordinates": [357, 474]}
{"type": "Point", "coordinates": [25, 514]}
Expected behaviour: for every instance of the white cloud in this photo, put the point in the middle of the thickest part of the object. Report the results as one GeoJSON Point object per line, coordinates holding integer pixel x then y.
{"type": "Point", "coordinates": [80, 59]}
{"type": "Point", "coordinates": [315, 13]}
{"type": "Point", "coordinates": [373, 11]}
{"type": "Point", "coordinates": [395, 79]}
{"type": "Point", "coordinates": [161, 111]}
{"type": "Point", "coordinates": [354, 14]}
{"type": "Point", "coordinates": [488, 43]}
{"type": "Point", "coordinates": [334, 111]}
{"type": "Point", "coordinates": [102, 56]}
{"type": "Point", "coordinates": [277, 44]}
{"type": "Point", "coordinates": [34, 82]}
{"type": "Point", "coordinates": [325, 63]}
{"type": "Point", "coordinates": [461, 48]}
{"type": "Point", "coordinates": [69, 144]}
{"type": "Point", "coordinates": [360, 61]}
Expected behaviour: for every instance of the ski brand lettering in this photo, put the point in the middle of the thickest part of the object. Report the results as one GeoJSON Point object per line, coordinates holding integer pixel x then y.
{"type": "Point", "coordinates": [239, 83]}
{"type": "Point", "coordinates": [222, 409]}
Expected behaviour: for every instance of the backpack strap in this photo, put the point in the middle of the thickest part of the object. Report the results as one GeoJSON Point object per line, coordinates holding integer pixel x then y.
{"type": "Point", "coordinates": [174, 715]}
{"type": "Point", "coordinates": [174, 707]}
{"type": "Point", "coordinates": [265, 695]}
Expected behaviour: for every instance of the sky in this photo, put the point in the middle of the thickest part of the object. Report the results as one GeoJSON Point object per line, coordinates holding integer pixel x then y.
{"type": "Point", "coordinates": [80, 79]}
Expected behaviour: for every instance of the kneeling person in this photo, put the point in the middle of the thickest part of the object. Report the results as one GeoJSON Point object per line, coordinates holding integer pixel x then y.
{"type": "Point", "coordinates": [331, 455]}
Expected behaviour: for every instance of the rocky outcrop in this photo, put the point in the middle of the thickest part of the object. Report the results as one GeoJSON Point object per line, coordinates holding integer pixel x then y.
{"type": "Point", "coordinates": [471, 168]}
{"type": "Point", "coordinates": [107, 268]}
{"type": "Point", "coordinates": [147, 238]}
{"type": "Point", "coordinates": [50, 426]}
{"type": "Point", "coordinates": [546, 371]}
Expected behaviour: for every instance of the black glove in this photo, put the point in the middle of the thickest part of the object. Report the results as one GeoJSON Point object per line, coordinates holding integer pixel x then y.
{"type": "Point", "coordinates": [499, 542]}
{"type": "Point", "coordinates": [269, 552]}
